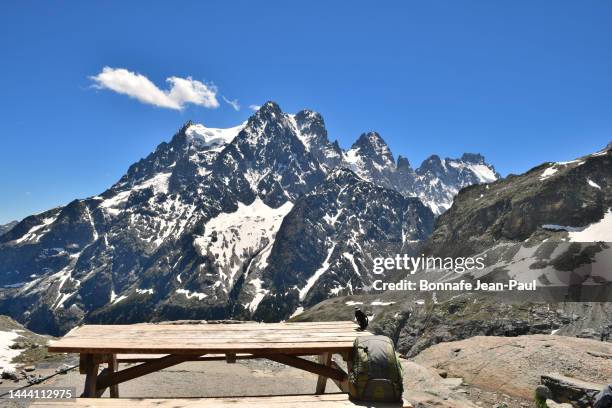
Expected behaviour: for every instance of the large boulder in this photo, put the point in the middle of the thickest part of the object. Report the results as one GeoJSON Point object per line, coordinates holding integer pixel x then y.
{"type": "Point", "coordinates": [566, 389]}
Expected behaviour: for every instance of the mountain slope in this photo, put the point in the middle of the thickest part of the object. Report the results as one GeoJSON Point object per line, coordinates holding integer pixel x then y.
{"type": "Point", "coordinates": [7, 227]}
{"type": "Point", "coordinates": [328, 239]}
{"type": "Point", "coordinates": [576, 194]}
{"type": "Point", "coordinates": [551, 224]}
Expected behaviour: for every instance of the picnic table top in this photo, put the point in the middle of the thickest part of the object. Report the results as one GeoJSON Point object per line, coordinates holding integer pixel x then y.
{"type": "Point", "coordinates": [199, 339]}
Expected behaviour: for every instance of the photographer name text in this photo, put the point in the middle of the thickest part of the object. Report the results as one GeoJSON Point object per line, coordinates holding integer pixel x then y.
{"type": "Point", "coordinates": [461, 285]}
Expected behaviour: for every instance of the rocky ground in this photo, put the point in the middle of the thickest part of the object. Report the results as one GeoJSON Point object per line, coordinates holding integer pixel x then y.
{"type": "Point", "coordinates": [20, 348]}
{"type": "Point", "coordinates": [513, 366]}
{"type": "Point", "coordinates": [416, 321]}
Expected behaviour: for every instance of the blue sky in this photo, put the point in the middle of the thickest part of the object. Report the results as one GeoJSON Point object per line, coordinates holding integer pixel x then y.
{"type": "Point", "coordinates": [521, 82]}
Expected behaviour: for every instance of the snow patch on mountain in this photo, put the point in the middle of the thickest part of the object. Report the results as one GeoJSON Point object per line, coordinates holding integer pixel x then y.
{"type": "Point", "coordinates": [297, 312]}
{"type": "Point", "coordinates": [305, 138]}
{"type": "Point", "coordinates": [593, 184]}
{"type": "Point", "coordinates": [114, 298]}
{"type": "Point", "coordinates": [597, 231]}
{"type": "Point", "coordinates": [212, 136]}
{"type": "Point", "coordinates": [600, 231]}
{"type": "Point", "coordinates": [113, 205]}
{"type": "Point", "coordinates": [189, 294]}
{"type": "Point", "coordinates": [34, 234]}
{"type": "Point", "coordinates": [232, 238]}
{"type": "Point", "coordinates": [484, 173]}
{"type": "Point", "coordinates": [260, 293]}
{"type": "Point", "coordinates": [556, 227]}
{"type": "Point", "coordinates": [312, 280]}
{"type": "Point", "coordinates": [548, 173]}
{"type": "Point", "coordinates": [351, 259]}
{"type": "Point", "coordinates": [7, 354]}
{"type": "Point", "coordinates": [355, 162]}
{"type": "Point", "coordinates": [159, 183]}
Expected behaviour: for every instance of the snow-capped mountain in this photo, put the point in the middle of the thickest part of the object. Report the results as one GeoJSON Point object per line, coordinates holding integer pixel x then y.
{"type": "Point", "coordinates": [192, 230]}
{"type": "Point", "coordinates": [435, 182]}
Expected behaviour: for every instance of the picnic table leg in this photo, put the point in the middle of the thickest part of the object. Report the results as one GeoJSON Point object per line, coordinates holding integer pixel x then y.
{"type": "Point", "coordinates": [325, 359]}
{"type": "Point", "coordinates": [349, 362]}
{"type": "Point", "coordinates": [112, 368]}
{"type": "Point", "coordinates": [89, 367]}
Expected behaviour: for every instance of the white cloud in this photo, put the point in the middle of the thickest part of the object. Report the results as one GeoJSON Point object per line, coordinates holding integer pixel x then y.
{"type": "Point", "coordinates": [254, 107]}
{"type": "Point", "coordinates": [182, 90]}
{"type": "Point", "coordinates": [234, 104]}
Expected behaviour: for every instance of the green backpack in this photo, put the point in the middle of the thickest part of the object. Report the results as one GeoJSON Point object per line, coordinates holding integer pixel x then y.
{"type": "Point", "coordinates": [376, 374]}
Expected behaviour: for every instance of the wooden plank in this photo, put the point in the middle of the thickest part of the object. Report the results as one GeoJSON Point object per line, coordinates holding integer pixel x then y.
{"type": "Point", "coordinates": [197, 348]}
{"type": "Point", "coordinates": [309, 366]}
{"type": "Point", "coordinates": [168, 340]}
{"type": "Point", "coordinates": [113, 367]}
{"type": "Point", "coordinates": [138, 371]}
{"type": "Point", "coordinates": [90, 367]}
{"type": "Point", "coordinates": [141, 336]}
{"type": "Point", "coordinates": [342, 385]}
{"type": "Point", "coordinates": [84, 362]}
{"type": "Point", "coordinates": [230, 358]}
{"type": "Point", "coordinates": [238, 324]}
{"type": "Point", "coordinates": [325, 359]}
{"type": "Point", "coordinates": [215, 327]}
{"type": "Point", "coordinates": [157, 341]}
{"type": "Point", "coordinates": [280, 401]}
{"type": "Point", "coordinates": [140, 358]}
{"type": "Point", "coordinates": [198, 339]}
{"type": "Point", "coordinates": [99, 329]}
{"type": "Point", "coordinates": [162, 341]}
{"type": "Point", "coordinates": [150, 338]}
{"type": "Point", "coordinates": [100, 390]}
{"type": "Point", "coordinates": [220, 334]}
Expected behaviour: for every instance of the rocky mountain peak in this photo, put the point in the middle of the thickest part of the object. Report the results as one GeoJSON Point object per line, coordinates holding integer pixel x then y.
{"type": "Point", "coordinates": [433, 163]}
{"type": "Point", "coordinates": [186, 125]}
{"type": "Point", "coordinates": [311, 128]}
{"type": "Point", "coordinates": [269, 110]}
{"type": "Point", "coordinates": [268, 122]}
{"type": "Point", "coordinates": [372, 146]}
{"type": "Point", "coordinates": [403, 163]}
{"type": "Point", "coordinates": [308, 116]}
{"type": "Point", "coordinates": [269, 114]}
{"type": "Point", "coordinates": [473, 158]}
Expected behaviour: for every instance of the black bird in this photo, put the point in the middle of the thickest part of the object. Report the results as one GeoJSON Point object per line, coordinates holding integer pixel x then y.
{"type": "Point", "coordinates": [361, 318]}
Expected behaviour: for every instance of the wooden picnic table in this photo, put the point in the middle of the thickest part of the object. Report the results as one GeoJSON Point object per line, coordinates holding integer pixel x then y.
{"type": "Point", "coordinates": [164, 345]}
